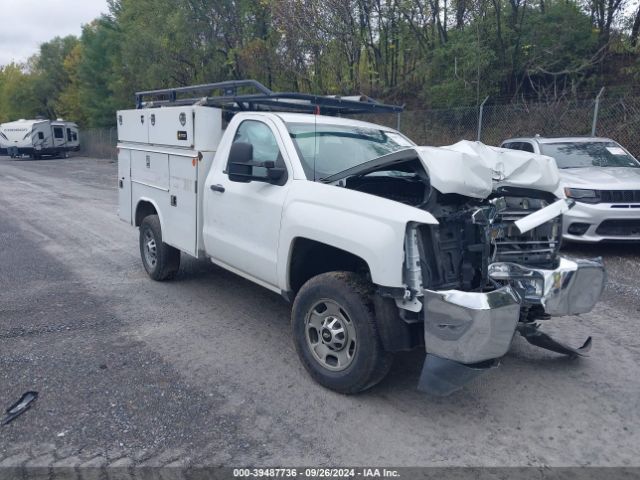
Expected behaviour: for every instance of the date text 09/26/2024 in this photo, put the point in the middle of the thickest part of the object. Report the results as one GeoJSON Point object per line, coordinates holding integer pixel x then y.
{"type": "Point", "coordinates": [363, 472]}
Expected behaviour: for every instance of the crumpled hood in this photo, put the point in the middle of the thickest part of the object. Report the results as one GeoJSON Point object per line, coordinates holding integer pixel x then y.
{"type": "Point", "coordinates": [602, 178]}
{"type": "Point", "coordinates": [475, 169]}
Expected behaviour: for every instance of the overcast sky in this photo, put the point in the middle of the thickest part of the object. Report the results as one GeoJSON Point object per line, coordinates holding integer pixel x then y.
{"type": "Point", "coordinates": [25, 24]}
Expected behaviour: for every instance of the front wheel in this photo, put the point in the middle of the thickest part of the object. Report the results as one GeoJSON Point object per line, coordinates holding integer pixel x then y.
{"type": "Point", "coordinates": [161, 261]}
{"type": "Point", "coordinates": [336, 335]}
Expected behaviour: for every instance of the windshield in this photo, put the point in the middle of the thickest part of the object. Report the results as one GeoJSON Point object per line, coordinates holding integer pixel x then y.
{"type": "Point", "coordinates": [329, 149]}
{"type": "Point", "coordinates": [589, 154]}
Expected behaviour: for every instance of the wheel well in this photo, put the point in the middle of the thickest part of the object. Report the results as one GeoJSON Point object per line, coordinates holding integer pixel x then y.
{"type": "Point", "coordinates": [310, 258]}
{"type": "Point", "coordinates": [144, 209]}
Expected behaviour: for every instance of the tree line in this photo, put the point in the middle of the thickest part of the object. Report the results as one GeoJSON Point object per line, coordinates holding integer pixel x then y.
{"type": "Point", "coordinates": [424, 53]}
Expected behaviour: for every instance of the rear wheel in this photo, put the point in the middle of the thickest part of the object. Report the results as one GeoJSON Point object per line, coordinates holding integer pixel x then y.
{"type": "Point", "coordinates": [161, 261]}
{"type": "Point", "coordinates": [335, 332]}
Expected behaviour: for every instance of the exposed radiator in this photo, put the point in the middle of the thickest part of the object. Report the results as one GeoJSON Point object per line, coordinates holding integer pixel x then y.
{"type": "Point", "coordinates": [538, 247]}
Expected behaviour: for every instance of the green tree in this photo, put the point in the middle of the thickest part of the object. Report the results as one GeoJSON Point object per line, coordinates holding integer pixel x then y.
{"type": "Point", "coordinates": [18, 98]}
{"type": "Point", "coordinates": [69, 102]}
{"type": "Point", "coordinates": [49, 73]}
{"type": "Point", "coordinates": [102, 83]}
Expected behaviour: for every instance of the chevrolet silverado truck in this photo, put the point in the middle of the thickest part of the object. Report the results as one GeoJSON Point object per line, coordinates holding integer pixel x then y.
{"type": "Point", "coordinates": [380, 245]}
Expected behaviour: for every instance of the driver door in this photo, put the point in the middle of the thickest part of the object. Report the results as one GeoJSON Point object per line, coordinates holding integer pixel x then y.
{"type": "Point", "coordinates": [242, 225]}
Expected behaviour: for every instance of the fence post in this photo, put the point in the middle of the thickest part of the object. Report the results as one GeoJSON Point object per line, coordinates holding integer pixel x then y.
{"type": "Point", "coordinates": [480, 117]}
{"type": "Point", "coordinates": [595, 113]}
{"type": "Point", "coordinates": [112, 147]}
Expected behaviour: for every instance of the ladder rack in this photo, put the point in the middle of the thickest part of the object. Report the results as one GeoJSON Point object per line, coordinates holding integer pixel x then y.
{"type": "Point", "coordinates": [263, 100]}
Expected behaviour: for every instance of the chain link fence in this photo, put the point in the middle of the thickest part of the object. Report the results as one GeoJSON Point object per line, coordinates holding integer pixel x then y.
{"type": "Point", "coordinates": [559, 119]}
{"type": "Point", "coordinates": [615, 117]}
{"type": "Point", "coordinates": [620, 119]}
{"type": "Point", "coordinates": [99, 143]}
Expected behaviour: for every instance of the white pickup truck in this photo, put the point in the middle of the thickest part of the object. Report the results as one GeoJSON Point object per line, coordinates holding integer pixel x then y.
{"type": "Point", "coordinates": [382, 246]}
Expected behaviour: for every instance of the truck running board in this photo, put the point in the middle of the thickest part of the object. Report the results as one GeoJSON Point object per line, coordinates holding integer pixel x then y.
{"type": "Point", "coordinates": [533, 335]}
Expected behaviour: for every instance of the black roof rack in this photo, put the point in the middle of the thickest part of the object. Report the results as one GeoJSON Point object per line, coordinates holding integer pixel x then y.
{"type": "Point", "coordinates": [263, 99]}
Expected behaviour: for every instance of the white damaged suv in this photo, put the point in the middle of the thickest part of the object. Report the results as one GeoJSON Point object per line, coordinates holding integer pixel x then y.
{"type": "Point", "coordinates": [604, 180]}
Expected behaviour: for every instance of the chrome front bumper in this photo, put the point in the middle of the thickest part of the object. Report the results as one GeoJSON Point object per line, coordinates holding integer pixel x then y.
{"type": "Point", "coordinates": [571, 289]}
{"type": "Point", "coordinates": [473, 327]}
{"type": "Point", "coordinates": [470, 327]}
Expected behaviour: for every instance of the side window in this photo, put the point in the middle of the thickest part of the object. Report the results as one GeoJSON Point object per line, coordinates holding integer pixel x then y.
{"type": "Point", "coordinates": [69, 137]}
{"type": "Point", "coordinates": [40, 135]}
{"type": "Point", "coordinates": [58, 132]}
{"type": "Point", "coordinates": [258, 134]}
{"type": "Point", "coordinates": [75, 136]}
{"type": "Point", "coordinates": [526, 146]}
{"type": "Point", "coordinates": [265, 146]}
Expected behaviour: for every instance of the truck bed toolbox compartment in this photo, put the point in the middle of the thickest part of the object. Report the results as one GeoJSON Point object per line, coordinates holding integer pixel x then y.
{"type": "Point", "coordinates": [150, 168]}
{"type": "Point", "coordinates": [188, 127]}
{"type": "Point", "coordinates": [182, 212]}
{"type": "Point", "coordinates": [171, 126]}
{"type": "Point", "coordinates": [124, 184]}
{"type": "Point", "coordinates": [133, 126]}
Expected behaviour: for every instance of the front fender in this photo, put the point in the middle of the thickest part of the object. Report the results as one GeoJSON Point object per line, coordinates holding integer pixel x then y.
{"type": "Point", "coordinates": [373, 228]}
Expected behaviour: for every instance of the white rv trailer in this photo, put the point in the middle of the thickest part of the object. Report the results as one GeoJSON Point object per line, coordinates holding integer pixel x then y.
{"type": "Point", "coordinates": [38, 138]}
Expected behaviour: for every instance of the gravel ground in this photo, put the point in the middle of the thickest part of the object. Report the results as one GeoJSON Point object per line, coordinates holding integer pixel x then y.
{"type": "Point", "coordinates": [202, 370]}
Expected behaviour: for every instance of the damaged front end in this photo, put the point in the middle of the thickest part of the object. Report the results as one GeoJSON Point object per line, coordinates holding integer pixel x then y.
{"type": "Point", "coordinates": [469, 331]}
{"type": "Point", "coordinates": [510, 276]}
{"type": "Point", "coordinates": [491, 267]}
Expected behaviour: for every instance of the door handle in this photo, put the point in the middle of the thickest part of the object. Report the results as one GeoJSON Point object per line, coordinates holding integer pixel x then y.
{"type": "Point", "coordinates": [217, 188]}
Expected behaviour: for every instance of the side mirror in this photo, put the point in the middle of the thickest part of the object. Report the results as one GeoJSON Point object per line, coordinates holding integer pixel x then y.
{"type": "Point", "coordinates": [276, 175]}
{"type": "Point", "coordinates": [240, 158]}
{"type": "Point", "coordinates": [241, 167]}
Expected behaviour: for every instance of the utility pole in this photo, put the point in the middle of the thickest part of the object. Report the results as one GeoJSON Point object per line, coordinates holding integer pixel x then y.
{"type": "Point", "coordinates": [595, 113]}
{"type": "Point", "coordinates": [480, 117]}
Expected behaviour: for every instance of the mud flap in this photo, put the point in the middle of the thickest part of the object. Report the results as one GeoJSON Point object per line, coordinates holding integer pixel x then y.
{"type": "Point", "coordinates": [534, 336]}
{"type": "Point", "coordinates": [443, 377]}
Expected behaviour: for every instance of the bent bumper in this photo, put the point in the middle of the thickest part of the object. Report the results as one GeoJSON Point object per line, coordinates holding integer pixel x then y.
{"type": "Point", "coordinates": [571, 289]}
{"type": "Point", "coordinates": [474, 327]}
{"type": "Point", "coordinates": [470, 327]}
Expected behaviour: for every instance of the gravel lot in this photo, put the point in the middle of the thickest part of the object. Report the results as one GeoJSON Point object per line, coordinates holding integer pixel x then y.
{"type": "Point", "coordinates": [202, 370]}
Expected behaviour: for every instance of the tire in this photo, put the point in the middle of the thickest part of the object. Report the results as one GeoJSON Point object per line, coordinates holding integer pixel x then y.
{"type": "Point", "coordinates": [336, 335]}
{"type": "Point", "coordinates": [161, 261]}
